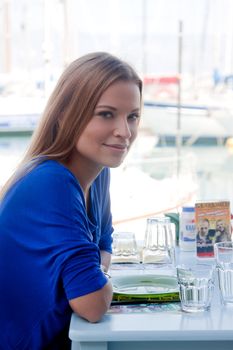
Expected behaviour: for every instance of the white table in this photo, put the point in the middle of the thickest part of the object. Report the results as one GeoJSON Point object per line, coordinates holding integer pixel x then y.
{"type": "Point", "coordinates": [164, 330]}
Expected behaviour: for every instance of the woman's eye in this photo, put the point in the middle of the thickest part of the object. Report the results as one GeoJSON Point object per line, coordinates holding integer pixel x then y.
{"type": "Point", "coordinates": [134, 116]}
{"type": "Point", "coordinates": [106, 114]}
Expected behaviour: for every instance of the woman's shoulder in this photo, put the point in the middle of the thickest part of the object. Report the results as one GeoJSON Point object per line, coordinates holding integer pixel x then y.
{"type": "Point", "coordinates": [47, 177]}
{"type": "Point", "coordinates": [51, 170]}
{"type": "Point", "coordinates": [52, 166]}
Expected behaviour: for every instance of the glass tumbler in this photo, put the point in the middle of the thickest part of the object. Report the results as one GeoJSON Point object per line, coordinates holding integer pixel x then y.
{"type": "Point", "coordinates": [224, 262]}
{"type": "Point", "coordinates": [196, 284]}
{"type": "Point", "coordinates": [124, 248]}
{"type": "Point", "coordinates": [158, 245]}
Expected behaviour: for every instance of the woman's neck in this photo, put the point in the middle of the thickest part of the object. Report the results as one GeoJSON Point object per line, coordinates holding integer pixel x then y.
{"type": "Point", "coordinates": [84, 171]}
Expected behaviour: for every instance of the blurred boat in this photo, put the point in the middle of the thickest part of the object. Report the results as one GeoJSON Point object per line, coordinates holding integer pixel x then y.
{"type": "Point", "coordinates": [20, 115]}
{"type": "Point", "coordinates": [199, 124]}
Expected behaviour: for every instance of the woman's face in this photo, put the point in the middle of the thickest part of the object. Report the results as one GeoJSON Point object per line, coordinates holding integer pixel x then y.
{"type": "Point", "coordinates": [108, 136]}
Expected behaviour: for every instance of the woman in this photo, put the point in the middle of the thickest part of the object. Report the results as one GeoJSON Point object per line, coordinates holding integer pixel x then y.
{"type": "Point", "coordinates": [55, 235]}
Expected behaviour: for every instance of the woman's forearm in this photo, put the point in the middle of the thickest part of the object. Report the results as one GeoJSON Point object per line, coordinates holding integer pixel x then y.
{"type": "Point", "coordinates": [105, 260]}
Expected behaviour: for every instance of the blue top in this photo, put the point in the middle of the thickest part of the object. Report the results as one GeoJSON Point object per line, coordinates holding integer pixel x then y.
{"type": "Point", "coordinates": [49, 254]}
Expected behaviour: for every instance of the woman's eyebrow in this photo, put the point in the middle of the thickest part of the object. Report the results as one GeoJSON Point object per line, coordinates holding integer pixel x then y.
{"type": "Point", "coordinates": [106, 106]}
{"type": "Point", "coordinates": [114, 108]}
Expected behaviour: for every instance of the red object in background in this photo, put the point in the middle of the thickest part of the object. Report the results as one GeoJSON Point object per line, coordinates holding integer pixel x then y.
{"type": "Point", "coordinates": [161, 80]}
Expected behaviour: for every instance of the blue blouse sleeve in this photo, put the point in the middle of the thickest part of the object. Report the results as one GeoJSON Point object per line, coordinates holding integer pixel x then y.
{"type": "Point", "coordinates": [57, 216]}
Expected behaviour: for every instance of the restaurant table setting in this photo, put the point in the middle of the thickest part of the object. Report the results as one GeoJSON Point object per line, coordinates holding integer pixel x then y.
{"type": "Point", "coordinates": [163, 297]}
{"type": "Point", "coordinates": [139, 283]}
{"type": "Point", "coordinates": [155, 271]}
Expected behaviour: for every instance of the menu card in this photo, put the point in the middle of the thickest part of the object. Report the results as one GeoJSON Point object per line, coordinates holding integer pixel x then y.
{"type": "Point", "coordinates": [212, 225]}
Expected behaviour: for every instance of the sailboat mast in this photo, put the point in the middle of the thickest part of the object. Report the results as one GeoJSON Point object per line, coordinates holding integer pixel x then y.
{"type": "Point", "coordinates": [7, 37]}
{"type": "Point", "coordinates": [144, 37]}
{"type": "Point", "coordinates": [178, 127]}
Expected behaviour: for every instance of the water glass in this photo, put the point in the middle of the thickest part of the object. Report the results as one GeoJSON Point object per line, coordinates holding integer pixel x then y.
{"type": "Point", "coordinates": [124, 248]}
{"type": "Point", "coordinates": [224, 262]}
{"type": "Point", "coordinates": [158, 245]}
{"type": "Point", "coordinates": [196, 284]}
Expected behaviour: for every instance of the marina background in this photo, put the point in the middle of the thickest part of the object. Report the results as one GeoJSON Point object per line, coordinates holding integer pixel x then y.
{"type": "Point", "coordinates": [184, 53]}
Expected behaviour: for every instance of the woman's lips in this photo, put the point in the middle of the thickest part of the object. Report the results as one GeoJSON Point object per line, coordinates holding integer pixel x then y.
{"type": "Point", "coordinates": [119, 147]}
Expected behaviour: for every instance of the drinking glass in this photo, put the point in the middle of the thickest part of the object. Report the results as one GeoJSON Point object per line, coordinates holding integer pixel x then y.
{"type": "Point", "coordinates": [158, 244]}
{"type": "Point", "coordinates": [196, 284]}
{"type": "Point", "coordinates": [124, 248]}
{"type": "Point", "coordinates": [224, 262]}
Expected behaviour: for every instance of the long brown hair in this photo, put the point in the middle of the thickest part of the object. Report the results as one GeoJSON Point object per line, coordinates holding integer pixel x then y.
{"type": "Point", "coordinates": [70, 108]}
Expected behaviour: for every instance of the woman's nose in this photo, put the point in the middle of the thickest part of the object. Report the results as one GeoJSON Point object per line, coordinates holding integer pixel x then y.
{"type": "Point", "coordinates": [122, 128]}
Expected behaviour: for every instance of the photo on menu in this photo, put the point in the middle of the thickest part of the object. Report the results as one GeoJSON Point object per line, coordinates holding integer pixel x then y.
{"type": "Point", "coordinates": [213, 225]}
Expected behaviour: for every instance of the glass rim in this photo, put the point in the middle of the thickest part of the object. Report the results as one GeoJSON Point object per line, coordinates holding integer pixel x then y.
{"type": "Point", "coordinates": [125, 233]}
{"type": "Point", "coordinates": [158, 219]}
{"type": "Point", "coordinates": [195, 266]}
{"type": "Point", "coordinates": [226, 244]}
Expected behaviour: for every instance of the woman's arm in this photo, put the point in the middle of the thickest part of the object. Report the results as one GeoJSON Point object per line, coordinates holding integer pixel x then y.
{"type": "Point", "coordinates": [94, 305]}
{"type": "Point", "coordinates": [105, 260]}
